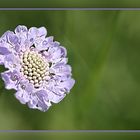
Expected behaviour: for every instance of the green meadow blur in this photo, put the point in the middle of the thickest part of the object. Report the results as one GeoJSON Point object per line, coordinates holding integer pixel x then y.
{"type": "Point", "coordinates": [104, 52]}
{"type": "Point", "coordinates": [69, 3]}
{"type": "Point", "coordinates": [70, 136]}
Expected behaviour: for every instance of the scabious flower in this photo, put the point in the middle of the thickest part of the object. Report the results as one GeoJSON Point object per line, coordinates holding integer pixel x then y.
{"type": "Point", "coordinates": [37, 67]}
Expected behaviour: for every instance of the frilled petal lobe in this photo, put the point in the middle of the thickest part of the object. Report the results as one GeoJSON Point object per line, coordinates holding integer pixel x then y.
{"type": "Point", "coordinates": [4, 50]}
{"type": "Point", "coordinates": [22, 34]}
{"type": "Point", "coordinates": [12, 62]}
{"type": "Point", "coordinates": [43, 101]}
{"type": "Point", "coordinates": [21, 29]}
{"type": "Point", "coordinates": [40, 101]}
{"type": "Point", "coordinates": [12, 38]}
{"type": "Point", "coordinates": [33, 102]}
{"type": "Point", "coordinates": [54, 96]}
{"type": "Point", "coordinates": [61, 70]}
{"type": "Point", "coordinates": [37, 35]}
{"type": "Point", "coordinates": [22, 96]}
{"type": "Point", "coordinates": [67, 85]}
{"type": "Point", "coordinates": [55, 54]}
{"type": "Point", "coordinates": [38, 32]}
{"type": "Point", "coordinates": [42, 31]}
{"type": "Point", "coordinates": [25, 89]}
{"type": "Point", "coordinates": [10, 79]}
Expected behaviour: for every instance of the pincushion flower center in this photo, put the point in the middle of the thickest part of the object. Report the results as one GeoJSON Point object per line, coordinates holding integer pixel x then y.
{"type": "Point", "coordinates": [34, 67]}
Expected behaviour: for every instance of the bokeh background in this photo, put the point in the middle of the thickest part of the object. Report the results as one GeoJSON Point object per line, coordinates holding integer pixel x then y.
{"type": "Point", "coordinates": [104, 52]}
{"type": "Point", "coordinates": [70, 3]}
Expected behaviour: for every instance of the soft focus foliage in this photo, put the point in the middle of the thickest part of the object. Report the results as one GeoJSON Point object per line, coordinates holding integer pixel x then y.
{"type": "Point", "coordinates": [70, 3]}
{"type": "Point", "coordinates": [103, 49]}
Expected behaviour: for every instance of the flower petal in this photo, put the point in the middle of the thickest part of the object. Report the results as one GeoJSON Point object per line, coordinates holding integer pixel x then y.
{"type": "Point", "coordinates": [22, 33]}
{"type": "Point", "coordinates": [42, 31]}
{"type": "Point", "coordinates": [67, 85]}
{"type": "Point", "coordinates": [36, 36]}
{"type": "Point", "coordinates": [12, 61]}
{"type": "Point", "coordinates": [10, 79]}
{"type": "Point", "coordinates": [5, 48]}
{"type": "Point", "coordinates": [54, 96]}
{"type": "Point", "coordinates": [20, 29]}
{"type": "Point", "coordinates": [22, 96]}
{"type": "Point", "coordinates": [25, 89]}
{"type": "Point", "coordinates": [38, 32]}
{"type": "Point", "coordinates": [56, 54]}
{"type": "Point", "coordinates": [12, 38]}
{"type": "Point", "coordinates": [40, 101]}
{"type": "Point", "coordinates": [32, 102]}
{"type": "Point", "coordinates": [61, 69]}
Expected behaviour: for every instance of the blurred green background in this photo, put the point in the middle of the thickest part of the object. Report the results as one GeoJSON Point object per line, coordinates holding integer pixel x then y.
{"type": "Point", "coordinates": [104, 51]}
{"type": "Point", "coordinates": [69, 3]}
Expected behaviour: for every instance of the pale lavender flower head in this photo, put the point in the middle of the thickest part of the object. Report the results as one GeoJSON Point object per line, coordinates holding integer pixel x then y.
{"type": "Point", "coordinates": [37, 67]}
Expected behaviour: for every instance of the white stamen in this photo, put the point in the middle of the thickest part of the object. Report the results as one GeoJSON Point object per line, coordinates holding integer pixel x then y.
{"type": "Point", "coordinates": [34, 67]}
{"type": "Point", "coordinates": [25, 72]}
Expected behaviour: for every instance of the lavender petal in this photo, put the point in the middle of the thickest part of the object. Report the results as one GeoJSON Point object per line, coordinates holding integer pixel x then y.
{"type": "Point", "coordinates": [10, 79]}
{"type": "Point", "coordinates": [12, 62]}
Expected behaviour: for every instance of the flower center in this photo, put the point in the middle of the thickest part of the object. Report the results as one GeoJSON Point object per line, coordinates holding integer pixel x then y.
{"type": "Point", "coordinates": [34, 67]}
